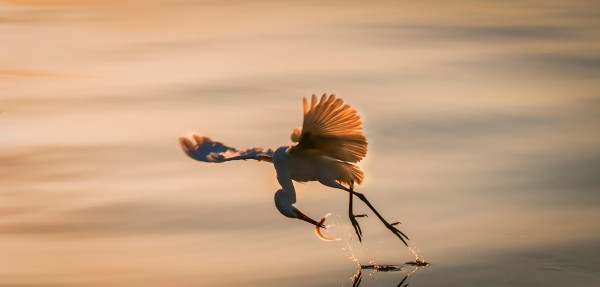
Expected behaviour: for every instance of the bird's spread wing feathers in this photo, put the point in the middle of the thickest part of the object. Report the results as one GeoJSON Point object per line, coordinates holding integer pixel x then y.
{"type": "Point", "coordinates": [207, 150]}
{"type": "Point", "coordinates": [333, 128]}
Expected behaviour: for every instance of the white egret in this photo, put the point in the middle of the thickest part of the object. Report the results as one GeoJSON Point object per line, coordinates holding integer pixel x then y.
{"type": "Point", "coordinates": [326, 149]}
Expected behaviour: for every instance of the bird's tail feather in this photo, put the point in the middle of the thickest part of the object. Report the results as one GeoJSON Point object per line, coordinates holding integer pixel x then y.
{"type": "Point", "coordinates": [351, 173]}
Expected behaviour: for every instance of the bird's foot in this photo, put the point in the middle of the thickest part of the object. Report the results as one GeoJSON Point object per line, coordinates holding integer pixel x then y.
{"type": "Point", "coordinates": [396, 231]}
{"type": "Point", "coordinates": [355, 224]}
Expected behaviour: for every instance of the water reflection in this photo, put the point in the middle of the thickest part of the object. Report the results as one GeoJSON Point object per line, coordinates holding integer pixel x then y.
{"type": "Point", "coordinates": [357, 277]}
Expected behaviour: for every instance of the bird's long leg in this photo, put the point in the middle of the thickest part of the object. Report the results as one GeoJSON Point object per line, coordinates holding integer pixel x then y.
{"type": "Point", "coordinates": [334, 184]}
{"type": "Point", "coordinates": [352, 216]}
{"type": "Point", "coordinates": [391, 227]}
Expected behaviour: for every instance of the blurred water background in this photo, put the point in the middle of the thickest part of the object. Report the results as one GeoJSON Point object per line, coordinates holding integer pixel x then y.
{"type": "Point", "coordinates": [482, 119]}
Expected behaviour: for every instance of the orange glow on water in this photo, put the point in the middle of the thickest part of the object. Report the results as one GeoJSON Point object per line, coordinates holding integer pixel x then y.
{"type": "Point", "coordinates": [481, 116]}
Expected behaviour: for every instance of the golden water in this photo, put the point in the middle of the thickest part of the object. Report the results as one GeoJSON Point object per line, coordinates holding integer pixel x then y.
{"type": "Point", "coordinates": [482, 119]}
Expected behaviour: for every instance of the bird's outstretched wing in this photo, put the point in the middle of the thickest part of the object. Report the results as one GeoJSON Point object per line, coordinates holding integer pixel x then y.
{"type": "Point", "coordinates": [207, 150]}
{"type": "Point", "coordinates": [331, 127]}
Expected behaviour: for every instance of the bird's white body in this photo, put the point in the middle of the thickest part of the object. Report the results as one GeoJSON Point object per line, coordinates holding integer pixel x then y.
{"type": "Point", "coordinates": [311, 166]}
{"type": "Point", "coordinates": [314, 167]}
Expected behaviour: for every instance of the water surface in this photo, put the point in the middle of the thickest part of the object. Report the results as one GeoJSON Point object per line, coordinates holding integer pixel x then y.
{"type": "Point", "coordinates": [482, 120]}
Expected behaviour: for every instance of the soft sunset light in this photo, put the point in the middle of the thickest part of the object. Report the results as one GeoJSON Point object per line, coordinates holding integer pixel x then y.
{"type": "Point", "coordinates": [481, 118]}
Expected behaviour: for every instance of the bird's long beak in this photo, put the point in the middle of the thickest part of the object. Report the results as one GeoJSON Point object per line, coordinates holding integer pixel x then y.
{"type": "Point", "coordinates": [303, 216]}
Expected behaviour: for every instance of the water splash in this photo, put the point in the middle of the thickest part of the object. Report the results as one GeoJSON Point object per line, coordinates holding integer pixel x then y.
{"type": "Point", "coordinates": [417, 253]}
{"type": "Point", "coordinates": [338, 232]}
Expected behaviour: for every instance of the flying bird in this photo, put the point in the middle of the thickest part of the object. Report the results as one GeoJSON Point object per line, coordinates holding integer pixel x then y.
{"type": "Point", "coordinates": [326, 149]}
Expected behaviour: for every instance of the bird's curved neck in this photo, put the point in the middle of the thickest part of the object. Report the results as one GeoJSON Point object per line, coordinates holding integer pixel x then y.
{"type": "Point", "coordinates": [282, 167]}
{"type": "Point", "coordinates": [283, 201]}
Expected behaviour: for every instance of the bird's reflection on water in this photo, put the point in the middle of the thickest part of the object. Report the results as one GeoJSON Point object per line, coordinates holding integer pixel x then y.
{"type": "Point", "coordinates": [383, 268]}
{"type": "Point", "coordinates": [357, 277]}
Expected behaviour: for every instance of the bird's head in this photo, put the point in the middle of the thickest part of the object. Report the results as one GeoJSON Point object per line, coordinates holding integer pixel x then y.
{"type": "Point", "coordinates": [283, 202]}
